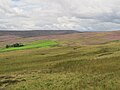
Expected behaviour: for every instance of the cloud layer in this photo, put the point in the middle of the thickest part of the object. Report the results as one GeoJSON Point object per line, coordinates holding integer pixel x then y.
{"type": "Point", "coordinates": [83, 15]}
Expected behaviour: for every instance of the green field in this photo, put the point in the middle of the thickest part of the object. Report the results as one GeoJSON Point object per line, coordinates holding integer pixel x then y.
{"type": "Point", "coordinates": [86, 67]}
{"type": "Point", "coordinates": [37, 44]}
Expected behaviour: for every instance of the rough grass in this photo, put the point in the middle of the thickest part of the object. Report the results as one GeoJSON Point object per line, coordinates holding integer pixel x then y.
{"type": "Point", "coordinates": [95, 67]}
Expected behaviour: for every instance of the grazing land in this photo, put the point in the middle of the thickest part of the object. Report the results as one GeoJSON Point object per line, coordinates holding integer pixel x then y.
{"type": "Point", "coordinates": [72, 61]}
{"type": "Point", "coordinates": [38, 44]}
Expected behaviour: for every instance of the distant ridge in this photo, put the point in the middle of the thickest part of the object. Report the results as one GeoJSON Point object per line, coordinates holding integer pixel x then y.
{"type": "Point", "coordinates": [33, 33]}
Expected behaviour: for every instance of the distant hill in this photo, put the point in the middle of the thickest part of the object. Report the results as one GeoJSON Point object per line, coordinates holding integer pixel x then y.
{"type": "Point", "coordinates": [35, 33]}
{"type": "Point", "coordinates": [68, 37]}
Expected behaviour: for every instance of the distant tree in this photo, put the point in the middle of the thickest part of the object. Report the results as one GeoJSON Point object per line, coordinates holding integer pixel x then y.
{"type": "Point", "coordinates": [7, 46]}
{"type": "Point", "coordinates": [15, 45]}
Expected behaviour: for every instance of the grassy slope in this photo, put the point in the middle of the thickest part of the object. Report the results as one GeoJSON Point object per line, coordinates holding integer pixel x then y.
{"type": "Point", "coordinates": [95, 67]}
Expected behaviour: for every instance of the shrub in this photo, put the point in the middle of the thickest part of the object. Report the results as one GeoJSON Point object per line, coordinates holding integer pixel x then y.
{"type": "Point", "coordinates": [15, 45]}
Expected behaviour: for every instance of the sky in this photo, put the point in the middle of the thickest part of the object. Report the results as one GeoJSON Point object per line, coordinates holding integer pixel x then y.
{"type": "Point", "coordinates": [82, 15]}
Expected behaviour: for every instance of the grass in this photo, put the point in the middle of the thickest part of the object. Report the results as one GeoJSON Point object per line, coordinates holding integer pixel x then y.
{"type": "Point", "coordinates": [94, 67]}
{"type": "Point", "coordinates": [38, 44]}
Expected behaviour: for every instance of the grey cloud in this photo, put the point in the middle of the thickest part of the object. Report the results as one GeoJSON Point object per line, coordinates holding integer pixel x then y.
{"type": "Point", "coordinates": [60, 14]}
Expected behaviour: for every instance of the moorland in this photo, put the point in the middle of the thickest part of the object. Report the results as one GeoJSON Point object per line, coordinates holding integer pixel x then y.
{"type": "Point", "coordinates": [60, 60]}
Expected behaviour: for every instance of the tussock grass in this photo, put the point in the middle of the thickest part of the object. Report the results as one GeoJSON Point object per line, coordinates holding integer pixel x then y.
{"type": "Point", "coordinates": [94, 67]}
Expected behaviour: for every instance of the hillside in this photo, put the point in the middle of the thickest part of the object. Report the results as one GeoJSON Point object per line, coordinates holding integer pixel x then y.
{"type": "Point", "coordinates": [35, 33]}
{"type": "Point", "coordinates": [74, 61]}
{"type": "Point", "coordinates": [68, 37]}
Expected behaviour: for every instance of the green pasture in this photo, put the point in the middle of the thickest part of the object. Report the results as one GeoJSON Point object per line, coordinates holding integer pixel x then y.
{"type": "Point", "coordinates": [36, 44]}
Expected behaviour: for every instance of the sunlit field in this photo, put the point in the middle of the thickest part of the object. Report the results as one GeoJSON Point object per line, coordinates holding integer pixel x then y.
{"type": "Point", "coordinates": [38, 44]}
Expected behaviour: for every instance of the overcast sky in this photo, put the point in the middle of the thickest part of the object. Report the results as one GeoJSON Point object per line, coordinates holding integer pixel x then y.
{"type": "Point", "coordinates": [83, 15]}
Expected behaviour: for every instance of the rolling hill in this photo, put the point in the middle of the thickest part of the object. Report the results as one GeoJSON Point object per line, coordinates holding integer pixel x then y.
{"type": "Point", "coordinates": [35, 33]}
{"type": "Point", "coordinates": [69, 61]}
{"type": "Point", "coordinates": [68, 37]}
